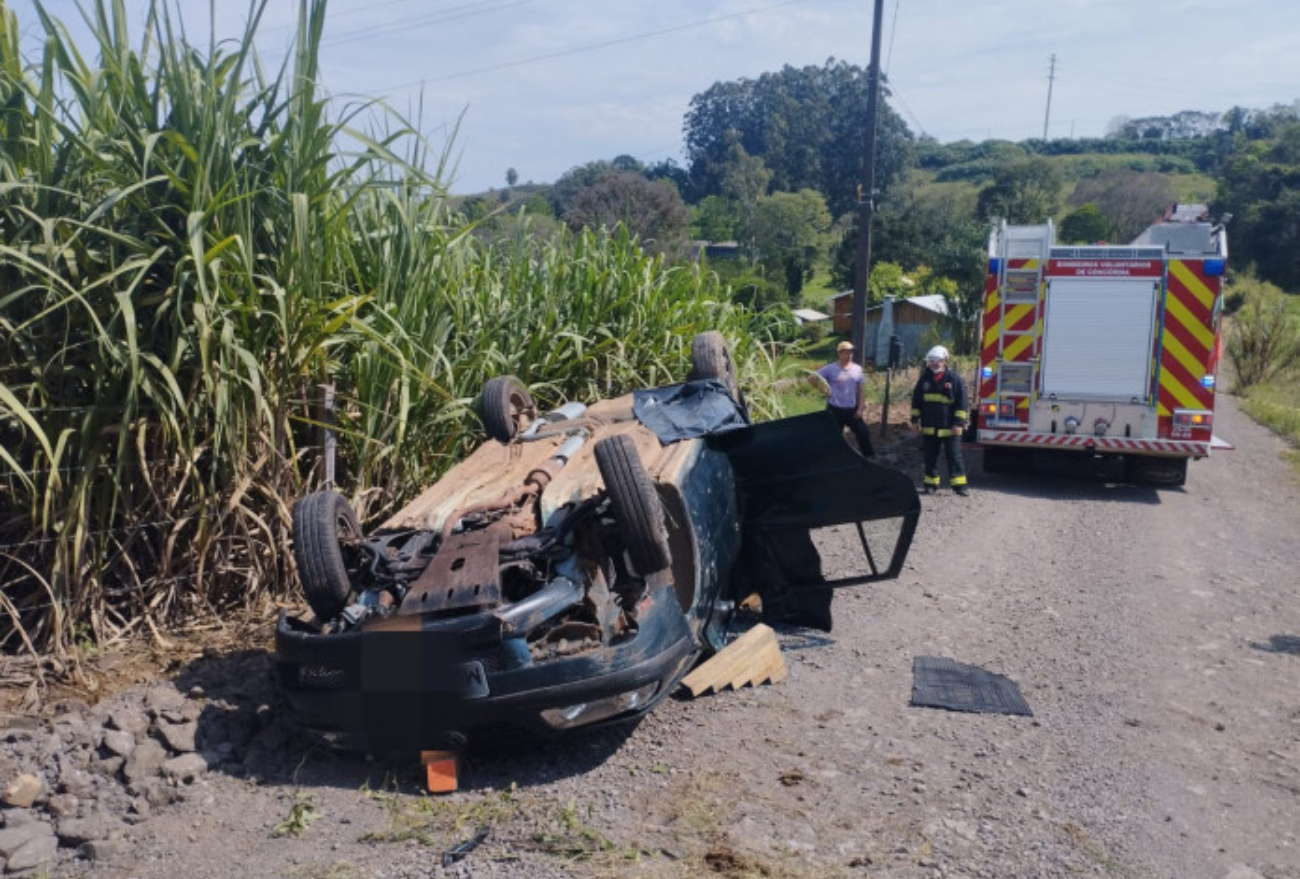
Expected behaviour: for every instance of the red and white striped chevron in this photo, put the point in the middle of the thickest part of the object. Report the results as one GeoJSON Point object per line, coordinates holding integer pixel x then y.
{"type": "Point", "coordinates": [1097, 443]}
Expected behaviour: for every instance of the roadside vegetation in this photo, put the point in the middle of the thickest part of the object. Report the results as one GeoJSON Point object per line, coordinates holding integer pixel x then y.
{"type": "Point", "coordinates": [199, 253]}
{"type": "Point", "coordinates": [189, 256]}
{"type": "Point", "coordinates": [1263, 350]}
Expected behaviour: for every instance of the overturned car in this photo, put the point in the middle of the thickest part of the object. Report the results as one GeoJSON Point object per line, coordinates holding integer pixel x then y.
{"type": "Point", "coordinates": [576, 565]}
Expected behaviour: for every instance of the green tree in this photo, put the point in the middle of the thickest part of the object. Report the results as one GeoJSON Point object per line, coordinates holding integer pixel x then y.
{"type": "Point", "coordinates": [1129, 200]}
{"type": "Point", "coordinates": [744, 181]}
{"type": "Point", "coordinates": [538, 205]}
{"type": "Point", "coordinates": [807, 124]}
{"type": "Point", "coordinates": [651, 210]}
{"type": "Point", "coordinates": [1261, 189]}
{"type": "Point", "coordinates": [1023, 191]}
{"type": "Point", "coordinates": [887, 279]}
{"type": "Point", "coordinates": [715, 219]}
{"type": "Point", "coordinates": [1084, 225]}
{"type": "Point", "coordinates": [931, 225]}
{"type": "Point", "coordinates": [512, 176]}
{"type": "Point", "coordinates": [565, 190]}
{"type": "Point", "coordinates": [791, 230]}
{"type": "Point", "coordinates": [749, 285]}
{"type": "Point", "coordinates": [667, 169]}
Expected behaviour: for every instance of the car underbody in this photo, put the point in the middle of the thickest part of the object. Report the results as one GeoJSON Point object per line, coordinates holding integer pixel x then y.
{"type": "Point", "coordinates": [572, 569]}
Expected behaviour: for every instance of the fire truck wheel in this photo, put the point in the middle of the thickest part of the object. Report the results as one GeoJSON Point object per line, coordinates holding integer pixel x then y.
{"type": "Point", "coordinates": [638, 512]}
{"type": "Point", "coordinates": [507, 407]}
{"type": "Point", "coordinates": [999, 459]}
{"type": "Point", "coordinates": [325, 530]}
{"type": "Point", "coordinates": [1171, 472]}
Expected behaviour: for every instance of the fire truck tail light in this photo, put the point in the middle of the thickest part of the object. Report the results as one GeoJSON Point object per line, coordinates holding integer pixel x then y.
{"type": "Point", "coordinates": [1193, 418]}
{"type": "Point", "coordinates": [1004, 409]}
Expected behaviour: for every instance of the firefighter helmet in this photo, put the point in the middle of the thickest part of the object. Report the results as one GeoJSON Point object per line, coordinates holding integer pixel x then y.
{"type": "Point", "coordinates": [938, 352]}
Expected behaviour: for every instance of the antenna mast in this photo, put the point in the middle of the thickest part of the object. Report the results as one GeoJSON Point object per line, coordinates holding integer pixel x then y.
{"type": "Point", "coordinates": [1051, 77]}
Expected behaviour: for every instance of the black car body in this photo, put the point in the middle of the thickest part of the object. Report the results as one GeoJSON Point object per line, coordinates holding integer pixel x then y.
{"type": "Point", "coordinates": [574, 572]}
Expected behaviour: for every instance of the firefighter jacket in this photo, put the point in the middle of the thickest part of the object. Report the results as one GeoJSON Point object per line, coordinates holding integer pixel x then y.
{"type": "Point", "coordinates": [939, 403]}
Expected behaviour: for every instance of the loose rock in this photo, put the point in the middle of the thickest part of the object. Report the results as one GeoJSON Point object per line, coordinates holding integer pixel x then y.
{"type": "Point", "coordinates": [23, 791]}
{"type": "Point", "coordinates": [179, 736]}
{"type": "Point", "coordinates": [145, 761]}
{"type": "Point", "coordinates": [185, 768]}
{"type": "Point", "coordinates": [119, 742]}
{"type": "Point", "coordinates": [75, 831]}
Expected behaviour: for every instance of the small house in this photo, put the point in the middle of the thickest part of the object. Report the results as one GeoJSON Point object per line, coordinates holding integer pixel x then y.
{"type": "Point", "coordinates": [809, 316]}
{"type": "Point", "coordinates": [918, 321]}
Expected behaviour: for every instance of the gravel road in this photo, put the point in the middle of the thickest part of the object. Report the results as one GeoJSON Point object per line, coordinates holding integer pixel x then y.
{"type": "Point", "coordinates": [1155, 634]}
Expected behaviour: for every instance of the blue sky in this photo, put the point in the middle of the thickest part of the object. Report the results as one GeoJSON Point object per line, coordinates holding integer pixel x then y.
{"type": "Point", "coordinates": [544, 85]}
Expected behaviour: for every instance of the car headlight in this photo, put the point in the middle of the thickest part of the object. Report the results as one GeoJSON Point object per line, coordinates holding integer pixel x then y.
{"type": "Point", "coordinates": [597, 710]}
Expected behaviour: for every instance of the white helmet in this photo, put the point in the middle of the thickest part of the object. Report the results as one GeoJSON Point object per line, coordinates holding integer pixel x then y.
{"type": "Point", "coordinates": [938, 352]}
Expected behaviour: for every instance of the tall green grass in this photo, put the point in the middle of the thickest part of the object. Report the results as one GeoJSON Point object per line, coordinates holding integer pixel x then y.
{"type": "Point", "coordinates": [190, 247]}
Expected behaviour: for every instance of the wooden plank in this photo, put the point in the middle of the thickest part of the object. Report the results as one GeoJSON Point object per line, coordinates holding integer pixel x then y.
{"type": "Point", "coordinates": [753, 658]}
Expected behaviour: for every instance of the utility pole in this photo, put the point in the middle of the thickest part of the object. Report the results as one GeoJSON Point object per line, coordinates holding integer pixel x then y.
{"type": "Point", "coordinates": [1051, 77]}
{"type": "Point", "coordinates": [867, 194]}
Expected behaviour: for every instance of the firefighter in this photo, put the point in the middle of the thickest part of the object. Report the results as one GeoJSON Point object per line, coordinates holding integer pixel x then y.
{"type": "Point", "coordinates": [939, 409]}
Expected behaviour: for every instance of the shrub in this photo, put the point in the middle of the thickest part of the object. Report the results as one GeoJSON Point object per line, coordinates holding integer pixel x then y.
{"type": "Point", "coordinates": [1264, 340]}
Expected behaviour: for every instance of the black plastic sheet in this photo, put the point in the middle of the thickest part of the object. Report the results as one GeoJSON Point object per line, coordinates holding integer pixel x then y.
{"type": "Point", "coordinates": [686, 411]}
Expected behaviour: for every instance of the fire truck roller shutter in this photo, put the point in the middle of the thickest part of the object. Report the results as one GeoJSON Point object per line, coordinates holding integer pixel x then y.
{"type": "Point", "coordinates": [1097, 340]}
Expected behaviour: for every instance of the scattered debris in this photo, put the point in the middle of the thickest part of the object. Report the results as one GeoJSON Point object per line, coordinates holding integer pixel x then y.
{"type": "Point", "coordinates": [460, 850]}
{"type": "Point", "coordinates": [792, 777]}
{"type": "Point", "coordinates": [1280, 644]}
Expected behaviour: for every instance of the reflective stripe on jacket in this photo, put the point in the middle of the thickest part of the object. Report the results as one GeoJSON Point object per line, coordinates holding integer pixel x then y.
{"type": "Point", "coordinates": [940, 403]}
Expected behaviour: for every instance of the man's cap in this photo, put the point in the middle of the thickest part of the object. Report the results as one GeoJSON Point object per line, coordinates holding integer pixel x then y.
{"type": "Point", "coordinates": [843, 346]}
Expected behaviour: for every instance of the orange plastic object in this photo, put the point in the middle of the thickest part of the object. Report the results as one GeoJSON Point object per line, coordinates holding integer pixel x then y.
{"type": "Point", "coordinates": [440, 767]}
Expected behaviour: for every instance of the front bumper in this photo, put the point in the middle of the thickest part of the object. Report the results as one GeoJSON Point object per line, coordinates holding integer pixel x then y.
{"type": "Point", "coordinates": [451, 680]}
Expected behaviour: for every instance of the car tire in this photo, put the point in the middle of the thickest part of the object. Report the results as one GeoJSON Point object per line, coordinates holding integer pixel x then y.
{"type": "Point", "coordinates": [711, 358]}
{"type": "Point", "coordinates": [636, 506]}
{"type": "Point", "coordinates": [321, 522]}
{"type": "Point", "coordinates": [507, 407]}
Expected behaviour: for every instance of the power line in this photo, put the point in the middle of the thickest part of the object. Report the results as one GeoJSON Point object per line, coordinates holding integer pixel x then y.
{"type": "Point", "coordinates": [898, 98]}
{"type": "Point", "coordinates": [456, 13]}
{"type": "Point", "coordinates": [893, 31]}
{"type": "Point", "coordinates": [591, 47]}
{"type": "Point", "coordinates": [370, 8]}
{"type": "Point", "coordinates": [893, 90]}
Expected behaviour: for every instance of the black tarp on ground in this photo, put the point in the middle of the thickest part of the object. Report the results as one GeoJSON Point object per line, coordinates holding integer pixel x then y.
{"type": "Point", "coordinates": [943, 683]}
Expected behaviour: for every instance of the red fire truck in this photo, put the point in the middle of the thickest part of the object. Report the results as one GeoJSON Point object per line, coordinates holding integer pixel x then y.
{"type": "Point", "coordinates": [1106, 352]}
